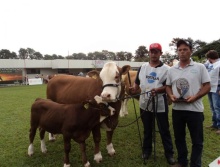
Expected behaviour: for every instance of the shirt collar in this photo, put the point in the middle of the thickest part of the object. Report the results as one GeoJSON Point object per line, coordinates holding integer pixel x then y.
{"type": "Point", "coordinates": [190, 64]}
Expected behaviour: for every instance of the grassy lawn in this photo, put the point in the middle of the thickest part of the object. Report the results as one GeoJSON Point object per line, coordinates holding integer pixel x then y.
{"type": "Point", "coordinates": [15, 105]}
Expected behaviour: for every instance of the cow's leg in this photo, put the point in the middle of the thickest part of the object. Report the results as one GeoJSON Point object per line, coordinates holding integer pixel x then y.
{"type": "Point", "coordinates": [51, 137]}
{"type": "Point", "coordinates": [109, 147]}
{"type": "Point", "coordinates": [124, 108]}
{"type": "Point", "coordinates": [67, 148]}
{"type": "Point", "coordinates": [31, 138]}
{"type": "Point", "coordinates": [122, 111]}
{"type": "Point", "coordinates": [83, 152]}
{"type": "Point", "coordinates": [42, 141]}
{"type": "Point", "coordinates": [97, 138]}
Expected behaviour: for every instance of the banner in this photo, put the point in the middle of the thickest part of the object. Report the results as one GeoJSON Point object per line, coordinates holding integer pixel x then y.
{"type": "Point", "coordinates": [35, 81]}
{"type": "Point", "coordinates": [10, 75]}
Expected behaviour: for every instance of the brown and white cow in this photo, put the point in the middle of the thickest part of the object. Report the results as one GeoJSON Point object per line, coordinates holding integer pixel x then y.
{"type": "Point", "coordinates": [75, 89]}
{"type": "Point", "coordinates": [74, 121]}
{"type": "Point", "coordinates": [128, 80]}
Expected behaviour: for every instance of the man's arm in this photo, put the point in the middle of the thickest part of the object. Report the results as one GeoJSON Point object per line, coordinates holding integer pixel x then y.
{"type": "Point", "coordinates": [170, 93]}
{"type": "Point", "coordinates": [206, 87]}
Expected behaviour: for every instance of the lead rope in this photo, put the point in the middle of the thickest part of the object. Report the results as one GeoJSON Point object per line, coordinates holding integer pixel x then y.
{"type": "Point", "coordinates": [129, 79]}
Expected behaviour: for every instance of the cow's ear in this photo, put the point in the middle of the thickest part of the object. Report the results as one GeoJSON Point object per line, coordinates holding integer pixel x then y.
{"type": "Point", "coordinates": [93, 74]}
{"type": "Point", "coordinates": [125, 69]}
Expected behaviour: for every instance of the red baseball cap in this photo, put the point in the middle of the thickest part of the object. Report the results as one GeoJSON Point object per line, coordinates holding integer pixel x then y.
{"type": "Point", "coordinates": [156, 46]}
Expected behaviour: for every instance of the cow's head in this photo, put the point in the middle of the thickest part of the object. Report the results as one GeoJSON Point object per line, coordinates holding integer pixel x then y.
{"type": "Point", "coordinates": [111, 78]}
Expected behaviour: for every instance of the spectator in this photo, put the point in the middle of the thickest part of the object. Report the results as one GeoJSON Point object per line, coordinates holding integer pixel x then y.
{"type": "Point", "coordinates": [213, 66]}
{"type": "Point", "coordinates": [187, 82]}
{"type": "Point", "coordinates": [151, 76]}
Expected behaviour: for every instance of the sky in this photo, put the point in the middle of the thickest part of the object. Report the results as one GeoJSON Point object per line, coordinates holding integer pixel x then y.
{"type": "Point", "coordinates": [64, 27]}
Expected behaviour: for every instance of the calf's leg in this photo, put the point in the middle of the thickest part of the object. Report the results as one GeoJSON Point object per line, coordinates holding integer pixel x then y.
{"type": "Point", "coordinates": [31, 138]}
{"type": "Point", "coordinates": [83, 152]}
{"type": "Point", "coordinates": [97, 138]}
{"type": "Point", "coordinates": [109, 147]}
{"type": "Point", "coordinates": [67, 148]}
{"type": "Point", "coordinates": [43, 145]}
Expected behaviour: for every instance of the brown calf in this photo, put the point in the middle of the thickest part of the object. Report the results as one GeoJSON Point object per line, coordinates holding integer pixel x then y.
{"type": "Point", "coordinates": [74, 121]}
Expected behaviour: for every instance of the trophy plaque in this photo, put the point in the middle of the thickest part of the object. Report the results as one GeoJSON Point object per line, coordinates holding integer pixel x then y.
{"type": "Point", "coordinates": [182, 86]}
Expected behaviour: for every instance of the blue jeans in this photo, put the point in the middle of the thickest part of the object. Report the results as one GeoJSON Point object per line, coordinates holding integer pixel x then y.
{"type": "Point", "coordinates": [214, 101]}
{"type": "Point", "coordinates": [194, 122]}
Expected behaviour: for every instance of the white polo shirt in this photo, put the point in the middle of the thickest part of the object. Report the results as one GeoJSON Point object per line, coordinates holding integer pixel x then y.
{"type": "Point", "coordinates": [187, 82]}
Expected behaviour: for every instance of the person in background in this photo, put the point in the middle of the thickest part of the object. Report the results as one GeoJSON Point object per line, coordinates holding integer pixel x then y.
{"type": "Point", "coordinates": [151, 77]}
{"type": "Point", "coordinates": [37, 76]}
{"type": "Point", "coordinates": [187, 82]}
{"type": "Point", "coordinates": [213, 67]}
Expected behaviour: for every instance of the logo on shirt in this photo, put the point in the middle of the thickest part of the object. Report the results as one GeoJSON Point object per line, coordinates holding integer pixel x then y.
{"type": "Point", "coordinates": [152, 77]}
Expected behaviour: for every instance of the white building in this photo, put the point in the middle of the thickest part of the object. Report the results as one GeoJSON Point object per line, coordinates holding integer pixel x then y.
{"type": "Point", "coordinates": [31, 68]}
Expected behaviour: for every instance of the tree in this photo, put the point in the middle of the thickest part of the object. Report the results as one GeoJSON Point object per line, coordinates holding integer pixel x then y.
{"type": "Point", "coordinates": [200, 53]}
{"type": "Point", "coordinates": [60, 57]}
{"type": "Point", "coordinates": [14, 55]}
{"type": "Point", "coordinates": [37, 56]}
{"type": "Point", "coordinates": [23, 53]}
{"type": "Point", "coordinates": [91, 56]}
{"type": "Point", "coordinates": [48, 57]}
{"type": "Point", "coordinates": [196, 45]}
{"type": "Point", "coordinates": [69, 57]}
{"type": "Point", "coordinates": [30, 52]}
{"type": "Point", "coordinates": [128, 56]}
{"type": "Point", "coordinates": [141, 54]}
{"type": "Point", "coordinates": [123, 56]}
{"type": "Point", "coordinates": [97, 56]}
{"type": "Point", "coordinates": [6, 54]}
{"type": "Point", "coordinates": [108, 55]}
{"type": "Point", "coordinates": [79, 56]}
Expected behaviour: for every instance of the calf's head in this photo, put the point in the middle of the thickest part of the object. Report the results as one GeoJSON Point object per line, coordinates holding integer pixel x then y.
{"type": "Point", "coordinates": [111, 76]}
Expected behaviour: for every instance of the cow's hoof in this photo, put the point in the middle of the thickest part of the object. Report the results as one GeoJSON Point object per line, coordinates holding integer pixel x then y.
{"type": "Point", "coordinates": [111, 153]}
{"type": "Point", "coordinates": [66, 165]}
{"type": "Point", "coordinates": [110, 149]}
{"type": "Point", "coordinates": [30, 155]}
{"type": "Point", "coordinates": [30, 150]}
{"type": "Point", "coordinates": [87, 164]}
{"type": "Point", "coordinates": [98, 157]}
{"type": "Point", "coordinates": [44, 151]}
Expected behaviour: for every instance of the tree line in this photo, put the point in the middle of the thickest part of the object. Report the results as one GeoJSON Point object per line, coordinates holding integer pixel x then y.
{"type": "Point", "coordinates": [200, 48]}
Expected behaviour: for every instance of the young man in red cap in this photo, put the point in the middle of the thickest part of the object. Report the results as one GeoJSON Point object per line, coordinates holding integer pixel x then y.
{"type": "Point", "coordinates": [151, 79]}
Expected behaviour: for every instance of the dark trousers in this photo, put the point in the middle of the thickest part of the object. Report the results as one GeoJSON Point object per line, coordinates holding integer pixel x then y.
{"type": "Point", "coordinates": [194, 122]}
{"type": "Point", "coordinates": [163, 125]}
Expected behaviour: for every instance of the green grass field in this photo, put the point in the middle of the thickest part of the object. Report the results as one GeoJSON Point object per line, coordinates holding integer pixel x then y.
{"type": "Point", "coordinates": [15, 104]}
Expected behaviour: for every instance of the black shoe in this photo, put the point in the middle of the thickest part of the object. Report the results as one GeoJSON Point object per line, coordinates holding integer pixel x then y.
{"type": "Point", "coordinates": [171, 160]}
{"type": "Point", "coordinates": [146, 156]}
